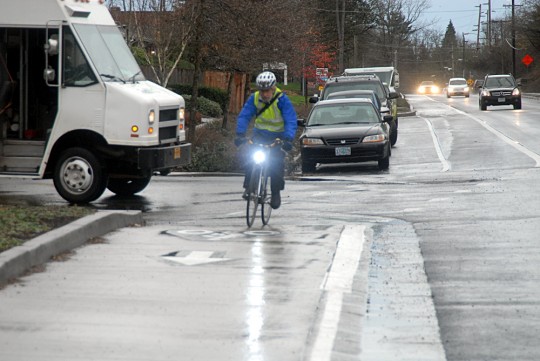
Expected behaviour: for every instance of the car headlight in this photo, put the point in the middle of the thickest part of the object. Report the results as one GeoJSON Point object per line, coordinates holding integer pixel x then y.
{"type": "Point", "coordinates": [374, 138]}
{"type": "Point", "coordinates": [151, 116]}
{"type": "Point", "coordinates": [312, 141]}
{"type": "Point", "coordinates": [435, 89]}
{"type": "Point", "coordinates": [516, 92]}
{"type": "Point", "coordinates": [485, 93]}
{"type": "Point", "coordinates": [421, 89]}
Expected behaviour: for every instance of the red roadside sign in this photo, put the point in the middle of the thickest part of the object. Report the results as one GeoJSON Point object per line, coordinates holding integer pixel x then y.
{"type": "Point", "coordinates": [527, 60]}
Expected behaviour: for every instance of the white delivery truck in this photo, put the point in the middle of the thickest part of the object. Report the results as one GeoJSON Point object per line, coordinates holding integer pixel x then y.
{"type": "Point", "coordinates": [387, 74]}
{"type": "Point", "coordinates": [75, 106]}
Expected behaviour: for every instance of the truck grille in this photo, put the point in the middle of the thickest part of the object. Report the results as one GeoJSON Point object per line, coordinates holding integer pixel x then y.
{"type": "Point", "coordinates": [168, 125]}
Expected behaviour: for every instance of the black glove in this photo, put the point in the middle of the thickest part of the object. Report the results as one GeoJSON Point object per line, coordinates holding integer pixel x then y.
{"type": "Point", "coordinates": [239, 140]}
{"type": "Point", "coordinates": [287, 145]}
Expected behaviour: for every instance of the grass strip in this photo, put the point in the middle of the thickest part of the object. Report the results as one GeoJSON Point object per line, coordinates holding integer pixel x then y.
{"type": "Point", "coordinates": [20, 223]}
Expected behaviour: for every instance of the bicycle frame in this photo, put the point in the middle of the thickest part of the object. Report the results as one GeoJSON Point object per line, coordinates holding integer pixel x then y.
{"type": "Point", "coordinates": [258, 184]}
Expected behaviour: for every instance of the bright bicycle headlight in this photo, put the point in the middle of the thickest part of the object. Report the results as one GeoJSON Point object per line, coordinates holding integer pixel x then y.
{"type": "Point", "coordinates": [259, 157]}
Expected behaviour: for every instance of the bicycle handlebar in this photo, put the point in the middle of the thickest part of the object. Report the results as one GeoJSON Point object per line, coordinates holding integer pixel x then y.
{"type": "Point", "coordinates": [277, 141]}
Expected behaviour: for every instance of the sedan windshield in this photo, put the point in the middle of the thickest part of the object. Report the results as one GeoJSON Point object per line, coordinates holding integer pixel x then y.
{"type": "Point", "coordinates": [353, 113]}
{"type": "Point", "coordinates": [109, 53]}
{"type": "Point", "coordinates": [458, 82]}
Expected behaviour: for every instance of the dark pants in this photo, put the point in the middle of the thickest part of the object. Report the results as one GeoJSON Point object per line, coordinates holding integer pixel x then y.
{"type": "Point", "coordinates": [276, 168]}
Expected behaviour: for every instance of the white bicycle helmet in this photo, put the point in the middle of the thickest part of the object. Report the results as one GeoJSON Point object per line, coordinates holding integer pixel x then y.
{"type": "Point", "coordinates": [266, 80]}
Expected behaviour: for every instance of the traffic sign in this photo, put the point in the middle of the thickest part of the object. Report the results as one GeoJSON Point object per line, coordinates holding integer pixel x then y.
{"type": "Point", "coordinates": [527, 60]}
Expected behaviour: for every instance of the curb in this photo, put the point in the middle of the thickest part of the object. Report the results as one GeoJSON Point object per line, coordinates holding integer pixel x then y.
{"type": "Point", "coordinates": [16, 261]}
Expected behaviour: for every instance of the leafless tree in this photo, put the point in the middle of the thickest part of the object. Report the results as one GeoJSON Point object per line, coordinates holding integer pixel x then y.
{"type": "Point", "coordinates": [162, 28]}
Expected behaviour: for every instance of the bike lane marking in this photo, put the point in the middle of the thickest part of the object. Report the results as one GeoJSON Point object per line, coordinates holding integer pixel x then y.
{"type": "Point", "coordinates": [437, 144]}
{"type": "Point", "coordinates": [338, 281]}
{"type": "Point", "coordinates": [194, 258]}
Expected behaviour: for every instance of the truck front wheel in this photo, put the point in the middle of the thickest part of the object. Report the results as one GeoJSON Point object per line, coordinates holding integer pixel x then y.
{"type": "Point", "coordinates": [79, 176]}
{"type": "Point", "coordinates": [128, 186]}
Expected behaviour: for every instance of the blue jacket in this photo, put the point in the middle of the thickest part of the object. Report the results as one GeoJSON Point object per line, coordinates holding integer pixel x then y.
{"type": "Point", "coordinates": [288, 113]}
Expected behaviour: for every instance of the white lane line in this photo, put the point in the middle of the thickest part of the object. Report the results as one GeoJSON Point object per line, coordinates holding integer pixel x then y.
{"type": "Point", "coordinates": [338, 281]}
{"type": "Point", "coordinates": [401, 321]}
{"type": "Point", "coordinates": [517, 145]}
{"type": "Point", "coordinates": [445, 164]}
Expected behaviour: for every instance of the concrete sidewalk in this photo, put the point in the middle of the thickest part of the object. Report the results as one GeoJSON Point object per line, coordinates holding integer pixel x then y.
{"type": "Point", "coordinates": [16, 261]}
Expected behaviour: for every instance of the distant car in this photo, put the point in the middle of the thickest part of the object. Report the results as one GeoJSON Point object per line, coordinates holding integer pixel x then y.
{"type": "Point", "coordinates": [345, 131]}
{"type": "Point", "coordinates": [428, 87]}
{"type": "Point", "coordinates": [499, 89]}
{"type": "Point", "coordinates": [364, 82]}
{"type": "Point", "coordinates": [457, 86]}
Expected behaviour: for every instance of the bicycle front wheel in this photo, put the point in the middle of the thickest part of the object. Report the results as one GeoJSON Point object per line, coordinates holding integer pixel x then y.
{"type": "Point", "coordinates": [266, 208]}
{"type": "Point", "coordinates": [253, 199]}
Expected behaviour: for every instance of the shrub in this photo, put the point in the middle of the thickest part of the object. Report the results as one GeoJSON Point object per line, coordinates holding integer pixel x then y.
{"type": "Point", "coordinates": [215, 94]}
{"type": "Point", "coordinates": [205, 106]}
{"type": "Point", "coordinates": [213, 150]}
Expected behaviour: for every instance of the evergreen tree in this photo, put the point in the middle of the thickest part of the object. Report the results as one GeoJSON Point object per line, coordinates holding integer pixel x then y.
{"type": "Point", "coordinates": [450, 38]}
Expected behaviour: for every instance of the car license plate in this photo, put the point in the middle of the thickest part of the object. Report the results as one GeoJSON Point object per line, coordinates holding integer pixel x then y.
{"type": "Point", "coordinates": [343, 151]}
{"type": "Point", "coordinates": [502, 100]}
{"type": "Point", "coordinates": [176, 153]}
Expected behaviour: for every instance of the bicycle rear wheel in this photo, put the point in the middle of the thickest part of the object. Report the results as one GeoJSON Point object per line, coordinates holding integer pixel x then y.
{"type": "Point", "coordinates": [253, 199]}
{"type": "Point", "coordinates": [266, 208]}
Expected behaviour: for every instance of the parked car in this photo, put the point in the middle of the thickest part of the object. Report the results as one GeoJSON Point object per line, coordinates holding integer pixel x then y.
{"type": "Point", "coordinates": [428, 87]}
{"type": "Point", "coordinates": [364, 94]}
{"type": "Point", "coordinates": [345, 131]}
{"type": "Point", "coordinates": [499, 89]}
{"type": "Point", "coordinates": [364, 82]}
{"type": "Point", "coordinates": [457, 86]}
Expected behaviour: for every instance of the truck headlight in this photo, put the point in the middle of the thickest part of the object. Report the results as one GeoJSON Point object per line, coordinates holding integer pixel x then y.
{"type": "Point", "coordinates": [151, 116]}
{"type": "Point", "coordinates": [181, 112]}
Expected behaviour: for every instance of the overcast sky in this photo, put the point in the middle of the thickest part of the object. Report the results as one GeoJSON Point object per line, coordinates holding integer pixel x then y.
{"type": "Point", "coordinates": [464, 13]}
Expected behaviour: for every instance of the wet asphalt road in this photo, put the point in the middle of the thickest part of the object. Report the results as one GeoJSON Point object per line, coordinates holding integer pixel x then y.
{"type": "Point", "coordinates": [446, 247]}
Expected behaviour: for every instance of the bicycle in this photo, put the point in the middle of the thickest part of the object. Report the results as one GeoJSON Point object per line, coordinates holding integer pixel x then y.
{"type": "Point", "coordinates": [258, 189]}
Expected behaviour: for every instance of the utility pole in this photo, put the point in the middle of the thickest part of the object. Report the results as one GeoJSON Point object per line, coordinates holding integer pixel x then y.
{"type": "Point", "coordinates": [513, 40]}
{"type": "Point", "coordinates": [478, 30]}
{"type": "Point", "coordinates": [453, 67]}
{"type": "Point", "coordinates": [489, 23]}
{"type": "Point", "coordinates": [463, 57]}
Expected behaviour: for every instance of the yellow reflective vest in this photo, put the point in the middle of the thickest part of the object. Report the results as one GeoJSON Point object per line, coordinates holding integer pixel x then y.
{"type": "Point", "coordinates": [271, 119]}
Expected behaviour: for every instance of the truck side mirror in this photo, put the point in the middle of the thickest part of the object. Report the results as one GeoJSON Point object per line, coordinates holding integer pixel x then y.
{"type": "Point", "coordinates": [51, 47]}
{"type": "Point", "coordinates": [49, 74]}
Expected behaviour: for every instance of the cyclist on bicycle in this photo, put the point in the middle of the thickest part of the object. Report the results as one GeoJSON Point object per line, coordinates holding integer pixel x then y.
{"type": "Point", "coordinates": [275, 118]}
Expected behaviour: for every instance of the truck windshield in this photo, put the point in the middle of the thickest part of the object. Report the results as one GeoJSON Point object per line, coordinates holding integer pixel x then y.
{"type": "Point", "coordinates": [109, 53]}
